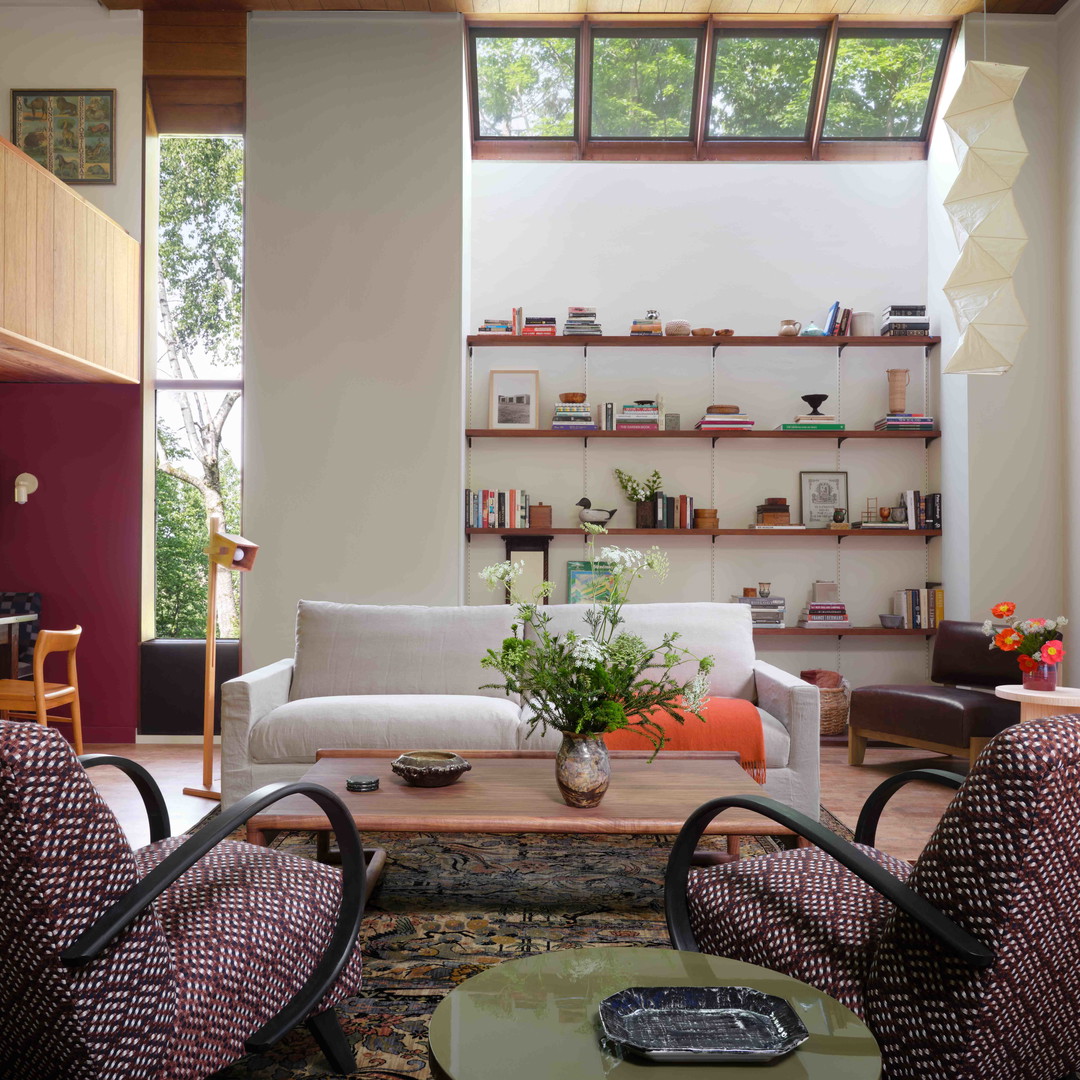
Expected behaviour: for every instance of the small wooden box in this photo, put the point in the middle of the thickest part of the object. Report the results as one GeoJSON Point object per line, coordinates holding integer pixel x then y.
{"type": "Point", "coordinates": [540, 516]}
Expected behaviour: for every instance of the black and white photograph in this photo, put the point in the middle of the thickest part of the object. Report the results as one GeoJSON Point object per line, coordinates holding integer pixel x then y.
{"type": "Point", "coordinates": [513, 399]}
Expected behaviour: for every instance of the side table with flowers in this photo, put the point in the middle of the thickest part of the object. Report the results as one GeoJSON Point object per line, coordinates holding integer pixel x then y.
{"type": "Point", "coordinates": [588, 684]}
{"type": "Point", "coordinates": [1036, 642]}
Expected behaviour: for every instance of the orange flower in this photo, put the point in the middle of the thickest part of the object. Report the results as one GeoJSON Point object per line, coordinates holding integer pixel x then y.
{"type": "Point", "coordinates": [1004, 610]}
{"type": "Point", "coordinates": [1008, 640]}
{"type": "Point", "coordinates": [1053, 652]}
{"type": "Point", "coordinates": [1027, 663]}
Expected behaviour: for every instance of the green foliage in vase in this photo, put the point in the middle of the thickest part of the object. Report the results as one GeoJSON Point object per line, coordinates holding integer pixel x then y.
{"type": "Point", "coordinates": [600, 681]}
{"type": "Point", "coordinates": [639, 491]}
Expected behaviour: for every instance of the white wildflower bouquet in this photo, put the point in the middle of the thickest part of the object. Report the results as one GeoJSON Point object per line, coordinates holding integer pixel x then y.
{"type": "Point", "coordinates": [607, 679]}
{"type": "Point", "coordinates": [639, 491]}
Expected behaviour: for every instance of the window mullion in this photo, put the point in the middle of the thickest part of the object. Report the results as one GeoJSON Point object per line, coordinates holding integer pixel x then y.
{"type": "Point", "coordinates": [824, 82]}
{"type": "Point", "coordinates": [584, 86]}
{"type": "Point", "coordinates": [704, 83]}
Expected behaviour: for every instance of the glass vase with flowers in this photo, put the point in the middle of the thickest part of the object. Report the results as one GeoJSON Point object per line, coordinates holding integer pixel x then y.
{"type": "Point", "coordinates": [1036, 642]}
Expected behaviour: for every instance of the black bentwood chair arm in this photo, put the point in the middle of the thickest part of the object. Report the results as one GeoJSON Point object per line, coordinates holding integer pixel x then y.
{"type": "Point", "coordinates": [866, 827]}
{"type": "Point", "coordinates": [953, 937]}
{"type": "Point", "coordinates": [94, 940]}
{"type": "Point", "coordinates": [153, 800]}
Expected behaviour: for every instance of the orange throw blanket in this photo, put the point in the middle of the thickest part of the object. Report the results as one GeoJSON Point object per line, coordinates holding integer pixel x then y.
{"type": "Point", "coordinates": [730, 724]}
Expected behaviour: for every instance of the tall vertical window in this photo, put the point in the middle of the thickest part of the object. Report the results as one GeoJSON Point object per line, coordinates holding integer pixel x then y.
{"type": "Point", "coordinates": [199, 376]}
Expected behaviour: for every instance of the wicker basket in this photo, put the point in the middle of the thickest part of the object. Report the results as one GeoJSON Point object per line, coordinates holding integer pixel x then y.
{"type": "Point", "coordinates": [834, 709]}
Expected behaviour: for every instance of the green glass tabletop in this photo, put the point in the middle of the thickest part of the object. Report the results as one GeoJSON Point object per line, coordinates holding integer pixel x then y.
{"type": "Point", "coordinates": [537, 1019]}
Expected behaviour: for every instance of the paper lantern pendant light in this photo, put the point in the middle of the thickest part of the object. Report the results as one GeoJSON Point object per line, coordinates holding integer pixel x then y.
{"type": "Point", "coordinates": [990, 151]}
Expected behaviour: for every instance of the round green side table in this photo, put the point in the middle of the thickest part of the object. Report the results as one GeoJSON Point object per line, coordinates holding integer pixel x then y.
{"type": "Point", "coordinates": [537, 1019]}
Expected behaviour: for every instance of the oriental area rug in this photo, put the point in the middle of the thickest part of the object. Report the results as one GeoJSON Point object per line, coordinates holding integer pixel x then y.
{"type": "Point", "coordinates": [449, 906]}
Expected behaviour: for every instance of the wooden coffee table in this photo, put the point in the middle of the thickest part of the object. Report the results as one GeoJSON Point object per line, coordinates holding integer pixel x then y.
{"type": "Point", "coordinates": [514, 791]}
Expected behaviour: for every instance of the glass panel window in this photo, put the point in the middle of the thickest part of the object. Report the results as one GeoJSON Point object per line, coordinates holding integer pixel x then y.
{"type": "Point", "coordinates": [762, 84]}
{"type": "Point", "coordinates": [524, 84]}
{"type": "Point", "coordinates": [643, 84]}
{"type": "Point", "coordinates": [882, 83]}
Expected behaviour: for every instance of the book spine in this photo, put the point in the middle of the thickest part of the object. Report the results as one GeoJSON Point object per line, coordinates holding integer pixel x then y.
{"type": "Point", "coordinates": [939, 605]}
{"type": "Point", "coordinates": [659, 509]}
{"type": "Point", "coordinates": [672, 518]}
{"type": "Point", "coordinates": [491, 508]}
{"type": "Point", "coordinates": [682, 512]}
{"type": "Point", "coordinates": [468, 507]}
{"type": "Point", "coordinates": [916, 614]}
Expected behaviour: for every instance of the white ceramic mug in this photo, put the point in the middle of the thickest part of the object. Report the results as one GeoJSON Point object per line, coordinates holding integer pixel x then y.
{"type": "Point", "coordinates": [863, 324]}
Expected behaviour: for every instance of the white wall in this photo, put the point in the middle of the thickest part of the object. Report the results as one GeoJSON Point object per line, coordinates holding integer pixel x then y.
{"type": "Point", "coordinates": [738, 246]}
{"type": "Point", "coordinates": [75, 47]}
{"type": "Point", "coordinates": [353, 446]}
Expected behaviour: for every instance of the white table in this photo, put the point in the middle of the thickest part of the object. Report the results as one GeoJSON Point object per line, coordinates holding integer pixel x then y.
{"type": "Point", "coordinates": [10, 625]}
{"type": "Point", "coordinates": [1036, 703]}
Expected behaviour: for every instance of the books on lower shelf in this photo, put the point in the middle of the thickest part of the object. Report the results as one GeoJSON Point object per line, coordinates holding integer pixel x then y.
{"type": "Point", "coordinates": [810, 422]}
{"type": "Point", "coordinates": [922, 609]}
{"type": "Point", "coordinates": [764, 610]}
{"type": "Point", "coordinates": [725, 422]}
{"type": "Point", "coordinates": [582, 321]}
{"type": "Point", "coordinates": [904, 422]}
{"type": "Point", "coordinates": [830, 615]}
{"type": "Point", "coordinates": [631, 417]}
{"type": "Point", "coordinates": [489, 509]}
{"type": "Point", "coordinates": [674, 511]}
{"type": "Point", "coordinates": [573, 417]}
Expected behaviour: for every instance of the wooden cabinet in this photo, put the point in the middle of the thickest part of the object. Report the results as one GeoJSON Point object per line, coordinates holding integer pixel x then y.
{"type": "Point", "coordinates": [69, 282]}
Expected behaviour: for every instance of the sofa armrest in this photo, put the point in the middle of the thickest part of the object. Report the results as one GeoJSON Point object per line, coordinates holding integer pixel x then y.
{"type": "Point", "coordinates": [797, 705]}
{"type": "Point", "coordinates": [244, 702]}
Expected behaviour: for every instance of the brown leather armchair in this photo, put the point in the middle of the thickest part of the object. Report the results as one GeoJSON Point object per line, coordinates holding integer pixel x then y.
{"type": "Point", "coordinates": [945, 718]}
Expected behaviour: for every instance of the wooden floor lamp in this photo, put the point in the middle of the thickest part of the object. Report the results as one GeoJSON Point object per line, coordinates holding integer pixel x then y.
{"type": "Point", "coordinates": [234, 553]}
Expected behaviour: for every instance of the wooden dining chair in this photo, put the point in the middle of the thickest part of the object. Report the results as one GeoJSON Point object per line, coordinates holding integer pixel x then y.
{"type": "Point", "coordinates": [21, 699]}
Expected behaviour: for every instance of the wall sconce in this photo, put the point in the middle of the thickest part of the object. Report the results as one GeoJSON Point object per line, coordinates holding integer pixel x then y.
{"type": "Point", "coordinates": [25, 484]}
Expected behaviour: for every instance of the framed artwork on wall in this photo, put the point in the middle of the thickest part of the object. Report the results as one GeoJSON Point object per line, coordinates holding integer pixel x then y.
{"type": "Point", "coordinates": [533, 552]}
{"type": "Point", "coordinates": [588, 582]}
{"type": "Point", "coordinates": [514, 399]}
{"type": "Point", "coordinates": [72, 133]}
{"type": "Point", "coordinates": [820, 494]}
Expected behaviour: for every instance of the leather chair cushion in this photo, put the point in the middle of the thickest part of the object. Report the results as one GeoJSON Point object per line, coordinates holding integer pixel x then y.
{"type": "Point", "coordinates": [940, 714]}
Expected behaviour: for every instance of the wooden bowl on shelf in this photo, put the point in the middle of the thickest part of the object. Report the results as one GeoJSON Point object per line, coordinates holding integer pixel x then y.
{"type": "Point", "coordinates": [572, 399]}
{"type": "Point", "coordinates": [703, 331]}
{"type": "Point", "coordinates": [725, 333]}
{"type": "Point", "coordinates": [723, 410]}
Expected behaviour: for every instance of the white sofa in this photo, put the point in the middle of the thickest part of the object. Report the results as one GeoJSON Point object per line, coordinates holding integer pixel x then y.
{"type": "Point", "coordinates": [407, 677]}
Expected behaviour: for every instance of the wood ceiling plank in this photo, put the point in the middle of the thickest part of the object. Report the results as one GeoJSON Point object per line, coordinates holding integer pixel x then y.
{"type": "Point", "coordinates": [210, 59]}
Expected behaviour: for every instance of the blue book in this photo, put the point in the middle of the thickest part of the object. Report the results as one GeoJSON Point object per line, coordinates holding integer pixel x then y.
{"type": "Point", "coordinates": [830, 319]}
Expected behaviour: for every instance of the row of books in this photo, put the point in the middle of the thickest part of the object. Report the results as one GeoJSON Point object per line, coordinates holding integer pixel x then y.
{"type": "Point", "coordinates": [725, 422]}
{"type": "Point", "coordinates": [764, 610]}
{"type": "Point", "coordinates": [539, 326]}
{"type": "Point", "coordinates": [582, 320]}
{"type": "Point", "coordinates": [813, 422]}
{"type": "Point", "coordinates": [905, 320]}
{"type": "Point", "coordinates": [923, 512]}
{"type": "Point", "coordinates": [831, 615]}
{"type": "Point", "coordinates": [674, 511]}
{"type": "Point", "coordinates": [488, 509]}
{"type": "Point", "coordinates": [633, 417]}
{"type": "Point", "coordinates": [573, 417]}
{"type": "Point", "coordinates": [838, 321]}
{"type": "Point", "coordinates": [904, 422]}
{"type": "Point", "coordinates": [922, 609]}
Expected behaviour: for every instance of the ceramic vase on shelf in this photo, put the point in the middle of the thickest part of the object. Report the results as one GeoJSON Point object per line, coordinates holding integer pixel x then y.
{"type": "Point", "coordinates": [899, 378]}
{"type": "Point", "coordinates": [582, 770]}
{"type": "Point", "coordinates": [1044, 677]}
{"type": "Point", "coordinates": [789, 328]}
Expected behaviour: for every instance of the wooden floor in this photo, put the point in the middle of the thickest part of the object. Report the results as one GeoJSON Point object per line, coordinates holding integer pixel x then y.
{"type": "Point", "coordinates": [905, 827]}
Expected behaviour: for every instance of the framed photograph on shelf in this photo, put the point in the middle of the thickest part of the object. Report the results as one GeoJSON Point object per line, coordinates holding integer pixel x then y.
{"type": "Point", "coordinates": [820, 494]}
{"type": "Point", "coordinates": [70, 132]}
{"type": "Point", "coordinates": [533, 552]}
{"type": "Point", "coordinates": [588, 582]}
{"type": "Point", "coordinates": [514, 399]}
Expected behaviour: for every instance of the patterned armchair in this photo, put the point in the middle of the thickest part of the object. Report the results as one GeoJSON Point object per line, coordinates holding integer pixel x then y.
{"type": "Point", "coordinates": [965, 965]}
{"type": "Point", "coordinates": [166, 962]}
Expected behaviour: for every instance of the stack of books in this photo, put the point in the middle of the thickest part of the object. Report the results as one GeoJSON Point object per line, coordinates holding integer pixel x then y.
{"type": "Point", "coordinates": [539, 326]}
{"type": "Point", "coordinates": [725, 422]}
{"type": "Point", "coordinates": [648, 327]}
{"type": "Point", "coordinates": [808, 422]}
{"type": "Point", "coordinates": [488, 509]}
{"type": "Point", "coordinates": [764, 610]}
{"type": "Point", "coordinates": [573, 417]}
{"type": "Point", "coordinates": [904, 422]}
{"type": "Point", "coordinates": [830, 616]}
{"type": "Point", "coordinates": [582, 320]}
{"type": "Point", "coordinates": [837, 321]}
{"type": "Point", "coordinates": [922, 609]}
{"type": "Point", "coordinates": [637, 417]}
{"type": "Point", "coordinates": [496, 326]}
{"type": "Point", "coordinates": [674, 511]}
{"type": "Point", "coordinates": [905, 320]}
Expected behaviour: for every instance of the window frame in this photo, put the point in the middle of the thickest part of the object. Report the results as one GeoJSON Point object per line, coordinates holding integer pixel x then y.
{"type": "Point", "coordinates": [946, 36]}
{"type": "Point", "coordinates": [701, 146]}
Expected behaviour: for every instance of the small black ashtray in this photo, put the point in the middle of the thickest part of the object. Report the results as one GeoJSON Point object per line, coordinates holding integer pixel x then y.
{"type": "Point", "coordinates": [362, 783]}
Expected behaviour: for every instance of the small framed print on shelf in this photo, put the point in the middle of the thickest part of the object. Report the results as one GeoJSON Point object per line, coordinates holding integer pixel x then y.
{"type": "Point", "coordinates": [514, 399]}
{"type": "Point", "coordinates": [532, 552]}
{"type": "Point", "coordinates": [820, 494]}
{"type": "Point", "coordinates": [588, 582]}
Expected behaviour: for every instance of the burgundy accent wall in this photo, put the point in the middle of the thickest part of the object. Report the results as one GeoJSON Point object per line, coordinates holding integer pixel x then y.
{"type": "Point", "coordinates": [77, 540]}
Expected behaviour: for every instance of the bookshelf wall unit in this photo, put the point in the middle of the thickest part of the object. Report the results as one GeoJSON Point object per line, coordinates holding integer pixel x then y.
{"type": "Point", "coordinates": [715, 345]}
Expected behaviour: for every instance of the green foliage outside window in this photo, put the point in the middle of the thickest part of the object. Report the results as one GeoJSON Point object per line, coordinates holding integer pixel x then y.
{"type": "Point", "coordinates": [643, 87]}
{"type": "Point", "coordinates": [526, 86]}
{"type": "Point", "coordinates": [762, 86]}
{"type": "Point", "coordinates": [881, 87]}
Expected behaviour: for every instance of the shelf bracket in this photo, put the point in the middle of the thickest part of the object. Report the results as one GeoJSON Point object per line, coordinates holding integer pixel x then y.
{"type": "Point", "coordinates": [470, 352]}
{"type": "Point", "coordinates": [468, 441]}
{"type": "Point", "coordinates": [585, 352]}
{"type": "Point", "coordinates": [926, 351]}
{"type": "Point", "coordinates": [468, 538]}
{"type": "Point", "coordinates": [714, 538]}
{"type": "Point", "coordinates": [714, 442]}
{"type": "Point", "coordinates": [585, 439]}
{"type": "Point", "coordinates": [840, 439]}
{"type": "Point", "coordinates": [840, 351]}
{"type": "Point", "coordinates": [714, 348]}
{"type": "Point", "coordinates": [927, 442]}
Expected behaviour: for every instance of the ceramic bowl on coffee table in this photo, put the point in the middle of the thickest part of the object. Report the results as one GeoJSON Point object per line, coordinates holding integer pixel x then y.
{"type": "Point", "coordinates": [430, 768]}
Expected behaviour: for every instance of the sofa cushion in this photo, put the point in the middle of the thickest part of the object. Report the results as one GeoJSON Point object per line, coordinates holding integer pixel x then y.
{"type": "Point", "coordinates": [722, 631]}
{"type": "Point", "coordinates": [941, 714]}
{"type": "Point", "coordinates": [293, 732]}
{"type": "Point", "coordinates": [395, 649]}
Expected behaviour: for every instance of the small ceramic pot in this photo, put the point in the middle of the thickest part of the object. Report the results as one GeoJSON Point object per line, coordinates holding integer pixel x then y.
{"type": "Point", "coordinates": [582, 770]}
{"type": "Point", "coordinates": [429, 768]}
{"type": "Point", "coordinates": [891, 622]}
{"type": "Point", "coordinates": [677, 328]}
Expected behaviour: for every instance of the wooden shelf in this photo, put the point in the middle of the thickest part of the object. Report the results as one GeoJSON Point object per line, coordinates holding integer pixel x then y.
{"type": "Point", "coordinates": [515, 341]}
{"type": "Point", "coordinates": [693, 433]}
{"type": "Point", "coordinates": [850, 631]}
{"type": "Point", "coordinates": [25, 360]}
{"type": "Point", "coordinates": [838, 534]}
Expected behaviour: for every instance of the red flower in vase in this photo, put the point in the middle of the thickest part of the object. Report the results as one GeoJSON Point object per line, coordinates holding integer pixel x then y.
{"type": "Point", "coordinates": [1027, 663]}
{"type": "Point", "coordinates": [1004, 610]}
{"type": "Point", "coordinates": [1008, 640]}
{"type": "Point", "coordinates": [1053, 652]}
